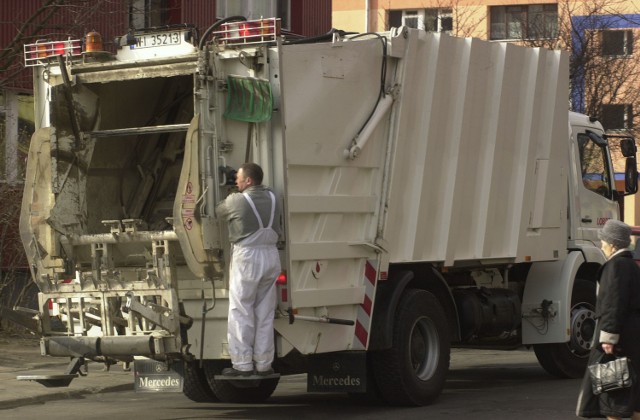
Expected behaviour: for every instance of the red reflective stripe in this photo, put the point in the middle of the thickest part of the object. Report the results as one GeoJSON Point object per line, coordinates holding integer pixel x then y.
{"type": "Point", "coordinates": [361, 333]}
{"type": "Point", "coordinates": [370, 273]}
{"type": "Point", "coordinates": [366, 305]}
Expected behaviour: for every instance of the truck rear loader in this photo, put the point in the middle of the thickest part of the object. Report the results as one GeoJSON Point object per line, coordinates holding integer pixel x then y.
{"type": "Point", "coordinates": [435, 193]}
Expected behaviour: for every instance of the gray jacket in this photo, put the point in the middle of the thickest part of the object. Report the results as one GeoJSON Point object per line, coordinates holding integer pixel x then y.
{"type": "Point", "coordinates": [235, 209]}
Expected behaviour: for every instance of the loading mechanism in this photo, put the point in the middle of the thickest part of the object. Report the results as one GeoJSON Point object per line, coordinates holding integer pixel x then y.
{"type": "Point", "coordinates": [135, 309]}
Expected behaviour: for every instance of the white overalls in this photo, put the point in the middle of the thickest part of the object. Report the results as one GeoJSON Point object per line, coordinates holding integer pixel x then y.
{"type": "Point", "coordinates": [255, 265]}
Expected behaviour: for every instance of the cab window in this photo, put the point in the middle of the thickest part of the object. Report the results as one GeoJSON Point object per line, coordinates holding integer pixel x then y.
{"type": "Point", "coordinates": [593, 162]}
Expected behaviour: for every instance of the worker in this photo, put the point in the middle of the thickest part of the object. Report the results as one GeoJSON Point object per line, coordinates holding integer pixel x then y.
{"type": "Point", "coordinates": [254, 227]}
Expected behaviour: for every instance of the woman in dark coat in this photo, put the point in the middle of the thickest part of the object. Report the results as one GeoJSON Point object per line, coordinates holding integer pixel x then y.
{"type": "Point", "coordinates": [617, 315]}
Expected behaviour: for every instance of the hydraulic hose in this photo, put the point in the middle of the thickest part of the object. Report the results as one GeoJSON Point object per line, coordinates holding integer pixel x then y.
{"type": "Point", "coordinates": [217, 25]}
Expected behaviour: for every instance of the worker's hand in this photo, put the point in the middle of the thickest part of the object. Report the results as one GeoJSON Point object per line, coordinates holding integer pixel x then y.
{"type": "Point", "coordinates": [607, 348]}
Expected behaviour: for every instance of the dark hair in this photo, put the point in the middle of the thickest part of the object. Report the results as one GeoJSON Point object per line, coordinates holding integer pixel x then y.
{"type": "Point", "coordinates": [253, 171]}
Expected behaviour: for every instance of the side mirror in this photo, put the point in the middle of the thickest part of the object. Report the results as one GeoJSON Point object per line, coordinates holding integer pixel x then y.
{"type": "Point", "coordinates": [628, 147]}
{"type": "Point", "coordinates": [631, 176]}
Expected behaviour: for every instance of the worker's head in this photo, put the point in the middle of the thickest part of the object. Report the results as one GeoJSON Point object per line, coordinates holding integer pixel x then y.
{"type": "Point", "coordinates": [248, 175]}
{"type": "Point", "coordinates": [615, 235]}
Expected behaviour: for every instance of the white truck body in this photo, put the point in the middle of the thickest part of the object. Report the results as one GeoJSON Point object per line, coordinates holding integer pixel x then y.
{"type": "Point", "coordinates": [412, 168]}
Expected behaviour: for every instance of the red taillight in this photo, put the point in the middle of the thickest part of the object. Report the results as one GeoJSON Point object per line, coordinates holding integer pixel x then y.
{"type": "Point", "coordinates": [35, 54]}
{"type": "Point", "coordinates": [281, 283]}
{"type": "Point", "coordinates": [59, 48]}
{"type": "Point", "coordinates": [250, 32]}
{"type": "Point", "coordinates": [245, 30]}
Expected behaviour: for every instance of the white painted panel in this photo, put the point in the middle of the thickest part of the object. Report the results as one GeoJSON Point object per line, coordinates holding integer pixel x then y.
{"type": "Point", "coordinates": [475, 122]}
{"type": "Point", "coordinates": [472, 148]}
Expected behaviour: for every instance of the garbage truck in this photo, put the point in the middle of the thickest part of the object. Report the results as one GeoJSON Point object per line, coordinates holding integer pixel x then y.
{"type": "Point", "coordinates": [435, 193]}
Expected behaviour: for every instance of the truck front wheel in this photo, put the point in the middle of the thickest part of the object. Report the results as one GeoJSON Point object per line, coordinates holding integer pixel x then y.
{"type": "Point", "coordinates": [413, 370]}
{"type": "Point", "coordinates": [569, 360]}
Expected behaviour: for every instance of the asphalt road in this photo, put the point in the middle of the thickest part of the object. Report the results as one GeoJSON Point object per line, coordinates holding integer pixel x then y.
{"type": "Point", "coordinates": [481, 385]}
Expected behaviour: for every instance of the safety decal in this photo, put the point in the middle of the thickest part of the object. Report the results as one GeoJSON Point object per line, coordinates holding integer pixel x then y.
{"type": "Point", "coordinates": [363, 320]}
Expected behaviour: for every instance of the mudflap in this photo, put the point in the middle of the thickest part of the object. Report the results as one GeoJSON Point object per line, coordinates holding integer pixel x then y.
{"type": "Point", "coordinates": [338, 372]}
{"type": "Point", "coordinates": [153, 376]}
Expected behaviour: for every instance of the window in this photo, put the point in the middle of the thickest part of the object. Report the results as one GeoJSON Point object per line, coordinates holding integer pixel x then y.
{"type": "Point", "coordinates": [430, 20]}
{"type": "Point", "coordinates": [412, 19]}
{"type": "Point", "coordinates": [617, 43]}
{"type": "Point", "coordinates": [537, 21]}
{"type": "Point", "coordinates": [616, 117]}
{"type": "Point", "coordinates": [148, 13]}
{"type": "Point", "coordinates": [438, 20]}
{"type": "Point", "coordinates": [593, 162]}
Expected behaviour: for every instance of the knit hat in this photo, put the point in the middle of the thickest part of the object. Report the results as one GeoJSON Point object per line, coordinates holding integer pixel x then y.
{"type": "Point", "coordinates": [616, 233]}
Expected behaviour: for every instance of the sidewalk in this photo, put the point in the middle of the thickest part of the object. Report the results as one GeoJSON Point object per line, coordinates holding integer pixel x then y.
{"type": "Point", "coordinates": [20, 356]}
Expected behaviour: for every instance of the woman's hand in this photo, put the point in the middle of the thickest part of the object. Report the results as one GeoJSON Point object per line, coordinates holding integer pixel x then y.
{"type": "Point", "coordinates": [607, 348]}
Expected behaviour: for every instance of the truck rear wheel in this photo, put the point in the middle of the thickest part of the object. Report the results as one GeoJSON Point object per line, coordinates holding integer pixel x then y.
{"type": "Point", "coordinates": [196, 387]}
{"type": "Point", "coordinates": [569, 360]}
{"type": "Point", "coordinates": [372, 395]}
{"type": "Point", "coordinates": [413, 370]}
{"type": "Point", "coordinates": [226, 392]}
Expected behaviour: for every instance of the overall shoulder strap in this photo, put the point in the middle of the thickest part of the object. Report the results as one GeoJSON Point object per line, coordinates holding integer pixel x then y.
{"type": "Point", "coordinates": [273, 208]}
{"type": "Point", "coordinates": [253, 207]}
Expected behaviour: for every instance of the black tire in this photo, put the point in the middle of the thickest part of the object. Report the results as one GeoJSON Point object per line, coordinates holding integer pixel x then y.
{"type": "Point", "coordinates": [569, 360]}
{"type": "Point", "coordinates": [196, 387]}
{"type": "Point", "coordinates": [226, 392]}
{"type": "Point", "coordinates": [372, 396]}
{"type": "Point", "coordinates": [413, 370]}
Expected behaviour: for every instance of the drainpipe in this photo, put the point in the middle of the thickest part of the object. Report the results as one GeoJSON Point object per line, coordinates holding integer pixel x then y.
{"type": "Point", "coordinates": [366, 15]}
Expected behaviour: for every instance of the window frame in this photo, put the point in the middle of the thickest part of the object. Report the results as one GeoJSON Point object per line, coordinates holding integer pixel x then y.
{"type": "Point", "coordinates": [421, 16]}
{"type": "Point", "coordinates": [626, 117]}
{"type": "Point", "coordinates": [627, 42]}
{"type": "Point", "coordinates": [438, 14]}
{"type": "Point", "coordinates": [506, 29]}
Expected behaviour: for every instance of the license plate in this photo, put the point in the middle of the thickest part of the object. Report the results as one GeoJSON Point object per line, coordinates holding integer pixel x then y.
{"type": "Point", "coordinates": [158, 40]}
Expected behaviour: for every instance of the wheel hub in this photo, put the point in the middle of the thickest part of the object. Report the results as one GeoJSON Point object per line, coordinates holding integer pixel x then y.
{"type": "Point", "coordinates": [424, 348]}
{"type": "Point", "coordinates": [583, 325]}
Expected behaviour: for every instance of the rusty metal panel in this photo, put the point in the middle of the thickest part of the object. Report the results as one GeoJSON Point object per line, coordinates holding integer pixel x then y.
{"type": "Point", "coordinates": [201, 13]}
{"type": "Point", "coordinates": [55, 23]}
{"type": "Point", "coordinates": [13, 13]}
{"type": "Point", "coordinates": [311, 17]}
